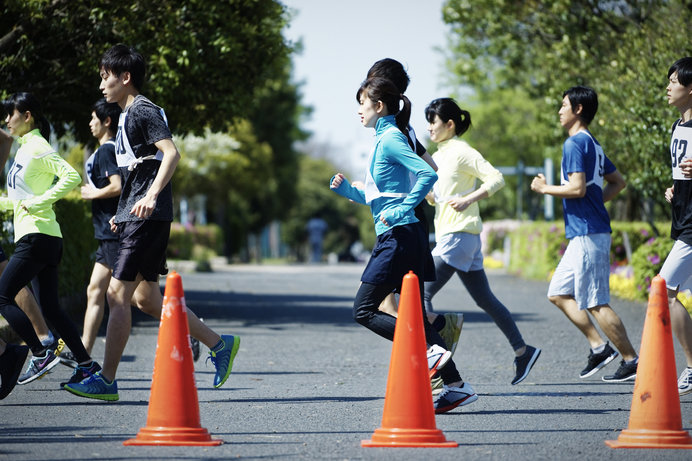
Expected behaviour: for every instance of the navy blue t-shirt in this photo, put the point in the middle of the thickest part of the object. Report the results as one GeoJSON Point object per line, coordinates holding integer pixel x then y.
{"type": "Point", "coordinates": [99, 168]}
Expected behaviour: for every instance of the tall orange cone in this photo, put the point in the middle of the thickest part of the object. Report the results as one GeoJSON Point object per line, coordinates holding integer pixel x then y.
{"type": "Point", "coordinates": [173, 417]}
{"type": "Point", "coordinates": [409, 417]}
{"type": "Point", "coordinates": [655, 419]}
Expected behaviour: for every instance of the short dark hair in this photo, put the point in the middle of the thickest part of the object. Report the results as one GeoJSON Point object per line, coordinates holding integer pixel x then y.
{"type": "Point", "coordinates": [122, 58]}
{"type": "Point", "coordinates": [393, 71]}
{"type": "Point", "coordinates": [683, 67]}
{"type": "Point", "coordinates": [104, 110]}
{"type": "Point", "coordinates": [587, 98]}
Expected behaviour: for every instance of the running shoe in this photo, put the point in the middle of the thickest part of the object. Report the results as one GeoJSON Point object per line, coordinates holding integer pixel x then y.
{"type": "Point", "coordinates": [437, 358]}
{"type": "Point", "coordinates": [223, 359]}
{"type": "Point", "coordinates": [436, 384]}
{"type": "Point", "coordinates": [684, 381]}
{"type": "Point", "coordinates": [625, 372]}
{"type": "Point", "coordinates": [452, 329]}
{"type": "Point", "coordinates": [598, 361]}
{"type": "Point", "coordinates": [194, 345]}
{"type": "Point", "coordinates": [81, 373]}
{"type": "Point", "coordinates": [95, 387]}
{"type": "Point", "coordinates": [67, 358]}
{"type": "Point", "coordinates": [524, 363]}
{"type": "Point", "coordinates": [11, 363]}
{"type": "Point", "coordinates": [39, 366]}
{"type": "Point", "coordinates": [452, 397]}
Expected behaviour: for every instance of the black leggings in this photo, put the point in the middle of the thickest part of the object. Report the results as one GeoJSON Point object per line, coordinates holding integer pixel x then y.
{"type": "Point", "coordinates": [36, 260]}
{"type": "Point", "coordinates": [366, 312]}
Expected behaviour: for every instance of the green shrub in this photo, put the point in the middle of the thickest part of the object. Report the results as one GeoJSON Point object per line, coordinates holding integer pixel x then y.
{"type": "Point", "coordinates": [647, 261]}
{"type": "Point", "coordinates": [183, 241]}
{"type": "Point", "coordinates": [536, 248]}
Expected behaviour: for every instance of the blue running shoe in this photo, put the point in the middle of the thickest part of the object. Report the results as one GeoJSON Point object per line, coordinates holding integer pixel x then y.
{"type": "Point", "coordinates": [223, 359]}
{"type": "Point", "coordinates": [94, 387]}
{"type": "Point", "coordinates": [39, 366]}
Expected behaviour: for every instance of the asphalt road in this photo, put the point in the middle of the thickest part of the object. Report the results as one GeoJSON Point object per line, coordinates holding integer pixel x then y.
{"type": "Point", "coordinates": [309, 383]}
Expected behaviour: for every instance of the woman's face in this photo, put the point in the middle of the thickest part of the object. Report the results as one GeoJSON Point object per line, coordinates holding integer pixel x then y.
{"type": "Point", "coordinates": [439, 130]}
{"type": "Point", "coordinates": [18, 123]}
{"type": "Point", "coordinates": [369, 111]}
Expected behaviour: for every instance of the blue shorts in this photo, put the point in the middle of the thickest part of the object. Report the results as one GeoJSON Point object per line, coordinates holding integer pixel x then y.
{"type": "Point", "coordinates": [398, 251]}
{"type": "Point", "coordinates": [584, 271]}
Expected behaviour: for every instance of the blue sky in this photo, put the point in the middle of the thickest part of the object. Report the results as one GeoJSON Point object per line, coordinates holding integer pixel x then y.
{"type": "Point", "coordinates": [341, 40]}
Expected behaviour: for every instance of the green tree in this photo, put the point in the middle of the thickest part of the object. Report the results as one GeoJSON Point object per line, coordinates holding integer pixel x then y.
{"type": "Point", "coordinates": [234, 171]}
{"type": "Point", "coordinates": [347, 221]}
{"type": "Point", "coordinates": [205, 59]}
{"type": "Point", "coordinates": [621, 48]}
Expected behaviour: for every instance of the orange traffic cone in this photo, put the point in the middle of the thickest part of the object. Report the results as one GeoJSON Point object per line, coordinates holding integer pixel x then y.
{"type": "Point", "coordinates": [655, 419]}
{"type": "Point", "coordinates": [409, 417]}
{"type": "Point", "coordinates": [173, 417]}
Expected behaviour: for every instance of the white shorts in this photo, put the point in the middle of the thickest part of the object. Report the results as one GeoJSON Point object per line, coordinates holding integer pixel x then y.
{"type": "Point", "coordinates": [584, 271]}
{"type": "Point", "coordinates": [677, 268]}
{"type": "Point", "coordinates": [461, 250]}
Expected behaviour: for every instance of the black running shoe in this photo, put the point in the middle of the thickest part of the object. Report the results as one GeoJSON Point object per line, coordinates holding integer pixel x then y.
{"type": "Point", "coordinates": [11, 363]}
{"type": "Point", "coordinates": [81, 373]}
{"type": "Point", "coordinates": [624, 373]}
{"type": "Point", "coordinates": [524, 363]}
{"type": "Point", "coordinates": [68, 359]}
{"type": "Point", "coordinates": [598, 361]}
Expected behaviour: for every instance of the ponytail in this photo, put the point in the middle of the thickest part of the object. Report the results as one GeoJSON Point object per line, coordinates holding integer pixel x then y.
{"type": "Point", "coordinates": [403, 117]}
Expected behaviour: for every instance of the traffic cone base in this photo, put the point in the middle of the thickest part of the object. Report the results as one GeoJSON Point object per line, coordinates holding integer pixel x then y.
{"type": "Point", "coordinates": [655, 418]}
{"type": "Point", "coordinates": [173, 415]}
{"type": "Point", "coordinates": [392, 437]}
{"type": "Point", "coordinates": [408, 419]}
{"type": "Point", "coordinates": [173, 436]}
{"type": "Point", "coordinates": [647, 438]}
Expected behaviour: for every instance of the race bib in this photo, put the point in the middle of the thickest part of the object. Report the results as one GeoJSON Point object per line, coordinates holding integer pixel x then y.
{"type": "Point", "coordinates": [679, 149]}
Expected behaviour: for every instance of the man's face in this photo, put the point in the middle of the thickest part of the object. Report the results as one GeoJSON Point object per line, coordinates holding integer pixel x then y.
{"type": "Point", "coordinates": [678, 94]}
{"type": "Point", "coordinates": [567, 115]}
{"type": "Point", "coordinates": [113, 86]}
{"type": "Point", "coordinates": [97, 128]}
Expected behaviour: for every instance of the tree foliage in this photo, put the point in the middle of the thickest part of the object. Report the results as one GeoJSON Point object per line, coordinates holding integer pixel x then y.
{"type": "Point", "coordinates": [205, 59]}
{"type": "Point", "coordinates": [622, 48]}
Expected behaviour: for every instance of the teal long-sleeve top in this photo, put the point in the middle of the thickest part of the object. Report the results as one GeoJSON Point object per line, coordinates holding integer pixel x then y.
{"type": "Point", "coordinates": [391, 164]}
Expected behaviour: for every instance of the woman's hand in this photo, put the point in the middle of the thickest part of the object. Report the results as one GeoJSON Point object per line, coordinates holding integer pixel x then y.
{"type": "Point", "coordinates": [336, 181]}
{"type": "Point", "coordinates": [459, 204]}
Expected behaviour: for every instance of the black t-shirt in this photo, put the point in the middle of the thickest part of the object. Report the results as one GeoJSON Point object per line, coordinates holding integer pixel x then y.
{"type": "Point", "coordinates": [99, 170]}
{"type": "Point", "coordinates": [144, 125]}
{"type": "Point", "coordinates": [681, 227]}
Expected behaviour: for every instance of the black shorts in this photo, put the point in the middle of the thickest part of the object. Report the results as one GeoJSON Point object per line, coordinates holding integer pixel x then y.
{"type": "Point", "coordinates": [41, 248]}
{"type": "Point", "coordinates": [107, 253]}
{"type": "Point", "coordinates": [398, 251]}
{"type": "Point", "coordinates": [142, 250]}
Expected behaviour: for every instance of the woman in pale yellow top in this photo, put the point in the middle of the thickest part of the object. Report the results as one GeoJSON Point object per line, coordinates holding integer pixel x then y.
{"type": "Point", "coordinates": [458, 222]}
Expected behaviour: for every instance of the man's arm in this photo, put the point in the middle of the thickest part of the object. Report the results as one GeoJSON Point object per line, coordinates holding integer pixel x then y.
{"type": "Point", "coordinates": [575, 187]}
{"type": "Point", "coordinates": [145, 206]}
{"type": "Point", "coordinates": [113, 189]}
{"type": "Point", "coordinates": [615, 184]}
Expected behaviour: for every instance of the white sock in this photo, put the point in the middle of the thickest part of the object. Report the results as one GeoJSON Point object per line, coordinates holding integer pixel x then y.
{"type": "Point", "coordinates": [599, 349]}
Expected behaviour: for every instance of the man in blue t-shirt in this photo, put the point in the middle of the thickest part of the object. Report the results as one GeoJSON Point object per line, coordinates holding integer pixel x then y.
{"type": "Point", "coordinates": [580, 284]}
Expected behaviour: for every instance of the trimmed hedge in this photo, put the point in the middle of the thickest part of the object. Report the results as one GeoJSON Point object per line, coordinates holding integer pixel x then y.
{"type": "Point", "coordinates": [194, 242]}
